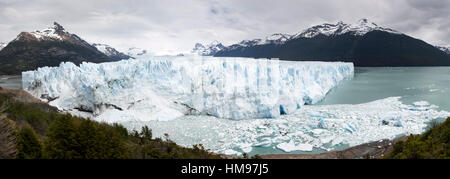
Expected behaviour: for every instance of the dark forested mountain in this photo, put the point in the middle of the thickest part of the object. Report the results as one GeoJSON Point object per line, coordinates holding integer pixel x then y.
{"type": "Point", "coordinates": [49, 47]}
{"type": "Point", "coordinates": [363, 43]}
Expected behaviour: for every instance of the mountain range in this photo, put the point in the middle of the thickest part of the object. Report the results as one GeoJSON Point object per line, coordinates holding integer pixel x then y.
{"type": "Point", "coordinates": [363, 43]}
{"type": "Point", "coordinates": [50, 47]}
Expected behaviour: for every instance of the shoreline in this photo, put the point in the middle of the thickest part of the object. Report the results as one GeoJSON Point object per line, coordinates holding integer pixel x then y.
{"type": "Point", "coordinates": [10, 76]}
{"type": "Point", "coordinates": [371, 150]}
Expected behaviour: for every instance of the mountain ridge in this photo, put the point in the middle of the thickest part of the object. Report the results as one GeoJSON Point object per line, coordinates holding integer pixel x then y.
{"type": "Point", "coordinates": [209, 49]}
{"type": "Point", "coordinates": [111, 52]}
{"type": "Point", "coordinates": [364, 43]}
{"type": "Point", "coordinates": [48, 47]}
{"type": "Point", "coordinates": [444, 49]}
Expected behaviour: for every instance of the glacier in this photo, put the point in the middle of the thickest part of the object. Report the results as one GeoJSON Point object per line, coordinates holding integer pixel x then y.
{"type": "Point", "coordinates": [167, 87]}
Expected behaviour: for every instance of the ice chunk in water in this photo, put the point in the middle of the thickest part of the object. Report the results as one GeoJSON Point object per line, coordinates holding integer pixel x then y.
{"type": "Point", "coordinates": [289, 147]}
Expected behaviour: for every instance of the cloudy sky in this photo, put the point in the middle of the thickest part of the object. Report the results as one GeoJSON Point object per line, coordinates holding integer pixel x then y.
{"type": "Point", "coordinates": [169, 26]}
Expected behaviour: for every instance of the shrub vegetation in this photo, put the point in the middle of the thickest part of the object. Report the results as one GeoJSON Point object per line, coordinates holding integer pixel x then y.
{"type": "Point", "coordinates": [433, 144]}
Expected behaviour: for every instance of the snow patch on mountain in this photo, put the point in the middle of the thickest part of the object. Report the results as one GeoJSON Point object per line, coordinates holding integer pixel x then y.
{"type": "Point", "coordinates": [444, 49]}
{"type": "Point", "coordinates": [53, 32]}
{"type": "Point", "coordinates": [164, 88]}
{"type": "Point", "coordinates": [110, 51]}
{"type": "Point", "coordinates": [362, 27]}
{"type": "Point", "coordinates": [207, 50]}
{"type": "Point", "coordinates": [277, 38]}
{"type": "Point", "coordinates": [2, 45]}
{"type": "Point", "coordinates": [136, 52]}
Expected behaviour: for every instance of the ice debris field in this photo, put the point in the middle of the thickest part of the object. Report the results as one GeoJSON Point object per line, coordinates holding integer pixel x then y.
{"type": "Point", "coordinates": [230, 105]}
{"type": "Point", "coordinates": [314, 128]}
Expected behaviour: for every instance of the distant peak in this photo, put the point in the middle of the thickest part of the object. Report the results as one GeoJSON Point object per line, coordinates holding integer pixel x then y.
{"type": "Point", "coordinates": [58, 27]}
{"type": "Point", "coordinates": [366, 22]}
{"type": "Point", "coordinates": [363, 20]}
{"type": "Point", "coordinates": [215, 42]}
{"type": "Point", "coordinates": [209, 49]}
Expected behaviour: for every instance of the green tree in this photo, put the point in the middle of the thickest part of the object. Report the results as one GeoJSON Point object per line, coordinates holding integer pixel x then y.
{"type": "Point", "coordinates": [100, 141]}
{"type": "Point", "coordinates": [8, 147]}
{"type": "Point", "coordinates": [28, 144]}
{"type": "Point", "coordinates": [433, 144]}
{"type": "Point", "coordinates": [61, 142]}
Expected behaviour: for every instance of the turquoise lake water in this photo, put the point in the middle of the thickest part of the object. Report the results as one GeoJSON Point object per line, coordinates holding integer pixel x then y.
{"type": "Point", "coordinates": [430, 84]}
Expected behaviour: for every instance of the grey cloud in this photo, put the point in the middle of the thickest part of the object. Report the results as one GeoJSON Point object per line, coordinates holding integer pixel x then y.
{"type": "Point", "coordinates": [173, 25]}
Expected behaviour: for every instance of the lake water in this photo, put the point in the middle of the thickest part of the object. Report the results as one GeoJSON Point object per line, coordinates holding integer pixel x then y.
{"type": "Point", "coordinates": [430, 84]}
{"type": "Point", "coordinates": [11, 82]}
{"type": "Point", "coordinates": [352, 113]}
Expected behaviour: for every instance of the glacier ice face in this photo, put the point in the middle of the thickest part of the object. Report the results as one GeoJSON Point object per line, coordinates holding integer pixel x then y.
{"type": "Point", "coordinates": [165, 88]}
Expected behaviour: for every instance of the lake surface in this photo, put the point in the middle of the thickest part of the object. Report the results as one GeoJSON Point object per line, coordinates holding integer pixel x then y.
{"type": "Point", "coordinates": [11, 82]}
{"type": "Point", "coordinates": [430, 84]}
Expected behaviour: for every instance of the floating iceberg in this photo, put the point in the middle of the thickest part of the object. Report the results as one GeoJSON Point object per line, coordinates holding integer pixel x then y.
{"type": "Point", "coordinates": [165, 88]}
{"type": "Point", "coordinates": [290, 146]}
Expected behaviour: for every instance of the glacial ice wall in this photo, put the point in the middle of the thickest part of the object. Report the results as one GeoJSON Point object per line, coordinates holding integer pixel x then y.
{"type": "Point", "coordinates": [165, 88]}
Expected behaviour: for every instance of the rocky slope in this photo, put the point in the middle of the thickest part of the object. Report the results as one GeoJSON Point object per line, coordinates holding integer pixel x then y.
{"type": "Point", "coordinates": [2, 45]}
{"type": "Point", "coordinates": [110, 52]}
{"type": "Point", "coordinates": [444, 49]}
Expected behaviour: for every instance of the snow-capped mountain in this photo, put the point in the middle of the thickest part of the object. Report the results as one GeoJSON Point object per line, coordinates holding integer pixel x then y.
{"type": "Point", "coordinates": [362, 27]}
{"type": "Point", "coordinates": [47, 47]}
{"type": "Point", "coordinates": [207, 50]}
{"type": "Point", "coordinates": [2, 45]}
{"type": "Point", "coordinates": [53, 33]}
{"type": "Point", "coordinates": [110, 51]}
{"type": "Point", "coordinates": [444, 49]}
{"type": "Point", "coordinates": [136, 52]}
{"type": "Point", "coordinates": [277, 38]}
{"type": "Point", "coordinates": [364, 43]}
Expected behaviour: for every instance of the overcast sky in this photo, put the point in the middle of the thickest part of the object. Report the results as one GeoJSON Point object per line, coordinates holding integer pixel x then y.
{"type": "Point", "coordinates": [169, 26]}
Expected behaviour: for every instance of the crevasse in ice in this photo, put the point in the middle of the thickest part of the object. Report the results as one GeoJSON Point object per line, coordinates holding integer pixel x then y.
{"type": "Point", "coordinates": [165, 88]}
